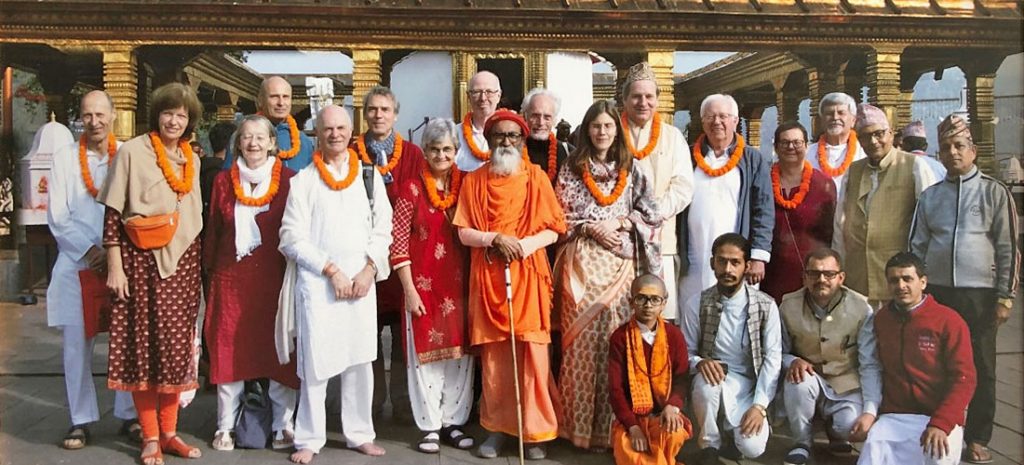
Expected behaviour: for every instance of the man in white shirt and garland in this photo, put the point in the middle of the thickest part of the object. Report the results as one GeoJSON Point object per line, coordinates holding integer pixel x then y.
{"type": "Point", "coordinates": [837, 146]}
{"type": "Point", "coordinates": [484, 94]}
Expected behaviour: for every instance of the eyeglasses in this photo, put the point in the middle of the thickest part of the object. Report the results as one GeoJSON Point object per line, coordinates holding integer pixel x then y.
{"type": "Point", "coordinates": [488, 92]}
{"type": "Point", "coordinates": [644, 300]}
{"type": "Point", "coordinates": [720, 116]}
{"type": "Point", "coordinates": [512, 137]}
{"type": "Point", "coordinates": [879, 134]}
{"type": "Point", "coordinates": [817, 274]}
{"type": "Point", "coordinates": [790, 144]}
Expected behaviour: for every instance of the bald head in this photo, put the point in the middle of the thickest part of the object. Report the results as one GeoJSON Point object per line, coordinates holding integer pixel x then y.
{"type": "Point", "coordinates": [648, 280]}
{"type": "Point", "coordinates": [648, 297]}
{"type": "Point", "coordinates": [334, 130]}
{"type": "Point", "coordinates": [275, 98]}
{"type": "Point", "coordinates": [97, 112]}
{"type": "Point", "coordinates": [484, 94]}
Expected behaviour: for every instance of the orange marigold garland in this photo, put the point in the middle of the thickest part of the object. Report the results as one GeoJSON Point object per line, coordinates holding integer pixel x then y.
{"type": "Point", "coordinates": [455, 182]}
{"type": "Point", "coordinates": [396, 155]}
{"type": "Point", "coordinates": [83, 161]}
{"type": "Point", "coordinates": [328, 178]}
{"type": "Point", "coordinates": [605, 200]}
{"type": "Point", "coordinates": [467, 133]}
{"type": "Point", "coordinates": [734, 158]}
{"type": "Point", "coordinates": [183, 185]}
{"type": "Point", "coordinates": [851, 150]}
{"type": "Point", "coordinates": [552, 156]}
{"type": "Point", "coordinates": [651, 144]}
{"type": "Point", "coordinates": [801, 192]}
{"type": "Point", "coordinates": [275, 184]}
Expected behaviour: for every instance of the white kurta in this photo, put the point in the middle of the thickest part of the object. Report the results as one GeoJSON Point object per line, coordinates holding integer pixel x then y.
{"type": "Point", "coordinates": [896, 439]}
{"type": "Point", "coordinates": [464, 158]}
{"type": "Point", "coordinates": [713, 212]}
{"type": "Point", "coordinates": [76, 222]}
{"type": "Point", "coordinates": [672, 172]}
{"type": "Point", "coordinates": [321, 225]}
{"type": "Point", "coordinates": [836, 156]}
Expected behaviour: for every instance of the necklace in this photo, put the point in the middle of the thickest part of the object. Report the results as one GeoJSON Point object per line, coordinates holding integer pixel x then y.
{"type": "Point", "coordinates": [396, 155]}
{"type": "Point", "coordinates": [328, 178]}
{"type": "Point", "coordinates": [83, 161]}
{"type": "Point", "coordinates": [734, 158]}
{"type": "Point", "coordinates": [455, 182]}
{"type": "Point", "coordinates": [851, 149]}
{"type": "Point", "coordinates": [599, 197]}
{"type": "Point", "coordinates": [801, 192]}
{"type": "Point", "coordinates": [467, 133]}
{"type": "Point", "coordinates": [651, 144]}
{"type": "Point", "coordinates": [183, 185]}
{"type": "Point", "coordinates": [275, 184]}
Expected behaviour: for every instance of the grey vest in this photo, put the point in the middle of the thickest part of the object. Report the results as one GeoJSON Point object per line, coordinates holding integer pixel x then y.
{"type": "Point", "coordinates": [710, 313]}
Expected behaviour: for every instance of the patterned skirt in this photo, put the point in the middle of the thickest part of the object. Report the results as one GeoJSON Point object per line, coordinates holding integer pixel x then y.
{"type": "Point", "coordinates": [152, 335]}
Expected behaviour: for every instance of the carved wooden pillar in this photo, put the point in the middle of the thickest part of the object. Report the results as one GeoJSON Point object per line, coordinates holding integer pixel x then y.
{"type": "Point", "coordinates": [821, 81]}
{"type": "Point", "coordinates": [365, 75]}
{"type": "Point", "coordinates": [661, 62]}
{"type": "Point", "coordinates": [121, 81]}
{"type": "Point", "coordinates": [753, 116]}
{"type": "Point", "coordinates": [463, 68]}
{"type": "Point", "coordinates": [904, 111]}
{"type": "Point", "coordinates": [850, 81]}
{"type": "Point", "coordinates": [227, 106]}
{"type": "Point", "coordinates": [883, 73]}
{"type": "Point", "coordinates": [981, 77]}
{"type": "Point", "coordinates": [536, 70]}
{"type": "Point", "coordinates": [786, 101]}
{"type": "Point", "coordinates": [694, 127]}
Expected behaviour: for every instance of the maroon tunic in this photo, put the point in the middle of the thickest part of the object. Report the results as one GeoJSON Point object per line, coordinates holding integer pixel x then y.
{"type": "Point", "coordinates": [242, 303]}
{"type": "Point", "coordinates": [799, 232]}
{"type": "Point", "coordinates": [389, 292]}
{"type": "Point", "coordinates": [618, 372]}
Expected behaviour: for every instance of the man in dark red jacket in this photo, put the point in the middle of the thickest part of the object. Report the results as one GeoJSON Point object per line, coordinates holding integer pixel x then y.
{"type": "Point", "coordinates": [928, 373]}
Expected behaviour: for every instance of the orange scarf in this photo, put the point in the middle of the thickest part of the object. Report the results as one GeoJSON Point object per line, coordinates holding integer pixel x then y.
{"type": "Point", "coordinates": [642, 383]}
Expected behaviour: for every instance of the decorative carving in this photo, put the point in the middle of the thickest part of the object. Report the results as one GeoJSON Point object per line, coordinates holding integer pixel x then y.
{"type": "Point", "coordinates": [121, 80]}
{"type": "Point", "coordinates": [661, 62]}
{"type": "Point", "coordinates": [883, 79]}
{"type": "Point", "coordinates": [463, 68]}
{"type": "Point", "coordinates": [981, 111]}
{"type": "Point", "coordinates": [537, 70]}
{"type": "Point", "coordinates": [365, 75]}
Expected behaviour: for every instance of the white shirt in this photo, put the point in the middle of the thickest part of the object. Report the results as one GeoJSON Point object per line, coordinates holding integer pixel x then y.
{"type": "Point", "coordinates": [464, 158]}
{"type": "Point", "coordinates": [713, 212]}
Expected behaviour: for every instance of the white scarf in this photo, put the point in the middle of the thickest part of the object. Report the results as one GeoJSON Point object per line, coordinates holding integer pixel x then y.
{"type": "Point", "coordinates": [247, 232]}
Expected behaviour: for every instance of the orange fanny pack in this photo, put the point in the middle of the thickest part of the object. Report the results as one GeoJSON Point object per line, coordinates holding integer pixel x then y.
{"type": "Point", "coordinates": [152, 232]}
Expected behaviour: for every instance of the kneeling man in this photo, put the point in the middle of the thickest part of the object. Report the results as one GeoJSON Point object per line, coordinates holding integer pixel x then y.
{"type": "Point", "coordinates": [928, 373]}
{"type": "Point", "coordinates": [647, 367]}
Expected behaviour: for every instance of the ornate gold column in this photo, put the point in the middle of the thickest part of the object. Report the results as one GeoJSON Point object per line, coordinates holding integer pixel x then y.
{"type": "Point", "coordinates": [536, 70]}
{"type": "Point", "coordinates": [981, 110]}
{"type": "Point", "coordinates": [883, 80]}
{"type": "Point", "coordinates": [121, 80]}
{"type": "Point", "coordinates": [463, 68]}
{"type": "Point", "coordinates": [662, 62]}
{"type": "Point", "coordinates": [365, 75]}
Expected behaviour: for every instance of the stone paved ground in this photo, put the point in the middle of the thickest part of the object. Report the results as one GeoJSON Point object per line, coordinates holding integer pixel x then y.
{"type": "Point", "coordinates": [33, 417]}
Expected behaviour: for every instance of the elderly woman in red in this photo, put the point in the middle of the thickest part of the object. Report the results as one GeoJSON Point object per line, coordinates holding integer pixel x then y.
{"type": "Point", "coordinates": [151, 231]}
{"type": "Point", "coordinates": [246, 271]}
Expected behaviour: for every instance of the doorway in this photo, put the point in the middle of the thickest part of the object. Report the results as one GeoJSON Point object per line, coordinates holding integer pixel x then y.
{"type": "Point", "coordinates": [511, 72]}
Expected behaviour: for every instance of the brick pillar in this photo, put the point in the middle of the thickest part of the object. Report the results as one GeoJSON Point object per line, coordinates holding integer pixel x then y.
{"type": "Point", "coordinates": [121, 80]}
{"type": "Point", "coordinates": [365, 75]}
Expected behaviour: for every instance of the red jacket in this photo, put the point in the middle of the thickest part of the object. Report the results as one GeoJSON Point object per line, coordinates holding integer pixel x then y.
{"type": "Point", "coordinates": [927, 363]}
{"type": "Point", "coordinates": [618, 372]}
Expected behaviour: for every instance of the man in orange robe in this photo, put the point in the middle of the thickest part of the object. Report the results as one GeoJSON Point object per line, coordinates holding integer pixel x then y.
{"type": "Point", "coordinates": [507, 214]}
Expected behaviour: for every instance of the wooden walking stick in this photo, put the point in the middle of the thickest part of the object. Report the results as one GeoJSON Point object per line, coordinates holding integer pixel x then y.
{"type": "Point", "coordinates": [515, 361]}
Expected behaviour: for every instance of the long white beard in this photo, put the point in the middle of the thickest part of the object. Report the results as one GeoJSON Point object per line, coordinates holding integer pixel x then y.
{"type": "Point", "coordinates": [505, 161]}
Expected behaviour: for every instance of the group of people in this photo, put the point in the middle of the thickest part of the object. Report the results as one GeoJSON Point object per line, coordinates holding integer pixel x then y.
{"type": "Point", "coordinates": [590, 286]}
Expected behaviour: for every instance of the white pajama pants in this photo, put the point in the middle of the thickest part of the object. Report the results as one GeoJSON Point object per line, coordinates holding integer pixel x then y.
{"type": "Point", "coordinates": [356, 409]}
{"type": "Point", "coordinates": [896, 439]}
{"type": "Point", "coordinates": [708, 408]}
{"type": "Point", "coordinates": [440, 393]}
{"type": "Point", "coordinates": [802, 399]}
{"type": "Point", "coordinates": [229, 401]}
{"type": "Point", "coordinates": [78, 380]}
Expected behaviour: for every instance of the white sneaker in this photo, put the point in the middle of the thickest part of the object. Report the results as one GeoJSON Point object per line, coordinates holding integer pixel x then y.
{"type": "Point", "coordinates": [222, 440]}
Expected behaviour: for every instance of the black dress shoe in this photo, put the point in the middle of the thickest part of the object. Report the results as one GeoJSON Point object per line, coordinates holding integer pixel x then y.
{"type": "Point", "coordinates": [708, 456]}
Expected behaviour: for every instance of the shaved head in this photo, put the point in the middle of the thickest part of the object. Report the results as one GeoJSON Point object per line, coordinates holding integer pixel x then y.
{"type": "Point", "coordinates": [648, 280]}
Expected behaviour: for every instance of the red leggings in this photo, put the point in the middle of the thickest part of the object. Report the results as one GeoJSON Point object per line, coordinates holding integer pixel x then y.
{"type": "Point", "coordinates": [148, 403]}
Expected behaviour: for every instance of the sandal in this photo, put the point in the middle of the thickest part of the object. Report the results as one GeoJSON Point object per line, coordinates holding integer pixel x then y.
{"type": "Point", "coordinates": [175, 446]}
{"type": "Point", "coordinates": [132, 429]}
{"type": "Point", "coordinates": [77, 437]}
{"type": "Point", "coordinates": [981, 454]}
{"type": "Point", "coordinates": [455, 437]}
{"type": "Point", "coordinates": [157, 457]}
{"type": "Point", "coordinates": [430, 444]}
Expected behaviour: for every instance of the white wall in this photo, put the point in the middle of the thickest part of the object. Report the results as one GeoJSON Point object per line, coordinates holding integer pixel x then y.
{"type": "Point", "coordinates": [570, 75]}
{"type": "Point", "coordinates": [422, 82]}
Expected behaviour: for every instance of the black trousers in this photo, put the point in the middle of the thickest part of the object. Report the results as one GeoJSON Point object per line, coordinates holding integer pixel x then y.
{"type": "Point", "coordinates": [977, 307]}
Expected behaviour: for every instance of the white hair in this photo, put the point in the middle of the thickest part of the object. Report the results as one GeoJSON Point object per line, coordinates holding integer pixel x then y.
{"type": "Point", "coordinates": [541, 91]}
{"type": "Point", "coordinates": [734, 108]}
{"type": "Point", "coordinates": [505, 160]}
{"type": "Point", "coordinates": [838, 98]}
{"type": "Point", "coordinates": [437, 129]}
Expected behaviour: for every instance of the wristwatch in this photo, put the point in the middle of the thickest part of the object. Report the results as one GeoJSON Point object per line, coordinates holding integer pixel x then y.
{"type": "Point", "coordinates": [1005, 301]}
{"type": "Point", "coordinates": [761, 409]}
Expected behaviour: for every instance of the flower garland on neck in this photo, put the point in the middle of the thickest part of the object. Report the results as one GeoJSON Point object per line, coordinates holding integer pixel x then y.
{"type": "Point", "coordinates": [651, 144]}
{"type": "Point", "coordinates": [275, 184]}
{"type": "Point", "coordinates": [328, 178]}
{"type": "Point", "coordinates": [183, 185]}
{"type": "Point", "coordinates": [396, 154]}
{"type": "Point", "coordinates": [851, 150]}
{"type": "Point", "coordinates": [734, 158]}
{"type": "Point", "coordinates": [454, 183]}
{"type": "Point", "coordinates": [801, 192]}
{"type": "Point", "coordinates": [293, 134]}
{"type": "Point", "coordinates": [467, 133]}
{"type": "Point", "coordinates": [599, 197]}
{"type": "Point", "coordinates": [83, 161]}
{"type": "Point", "coordinates": [552, 156]}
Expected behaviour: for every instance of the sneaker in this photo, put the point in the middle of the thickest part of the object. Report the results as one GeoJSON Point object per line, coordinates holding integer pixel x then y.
{"type": "Point", "coordinates": [708, 456]}
{"type": "Point", "coordinates": [222, 440]}
{"type": "Point", "coordinates": [535, 451]}
{"type": "Point", "coordinates": [797, 455]}
{"type": "Point", "coordinates": [490, 448]}
{"type": "Point", "coordinates": [283, 439]}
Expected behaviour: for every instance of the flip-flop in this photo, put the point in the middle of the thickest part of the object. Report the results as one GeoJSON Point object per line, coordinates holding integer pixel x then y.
{"type": "Point", "coordinates": [77, 438]}
{"type": "Point", "coordinates": [969, 455]}
{"type": "Point", "coordinates": [132, 429]}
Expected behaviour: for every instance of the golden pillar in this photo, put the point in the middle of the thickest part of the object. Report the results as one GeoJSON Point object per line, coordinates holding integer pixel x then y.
{"type": "Point", "coordinates": [463, 68]}
{"type": "Point", "coordinates": [883, 80]}
{"type": "Point", "coordinates": [536, 70]}
{"type": "Point", "coordinates": [753, 128]}
{"type": "Point", "coordinates": [981, 111]}
{"type": "Point", "coordinates": [365, 75]}
{"type": "Point", "coordinates": [661, 62]}
{"type": "Point", "coordinates": [121, 81]}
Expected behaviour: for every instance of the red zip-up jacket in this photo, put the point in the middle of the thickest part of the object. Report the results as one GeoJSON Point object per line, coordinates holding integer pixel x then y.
{"type": "Point", "coordinates": [927, 363]}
